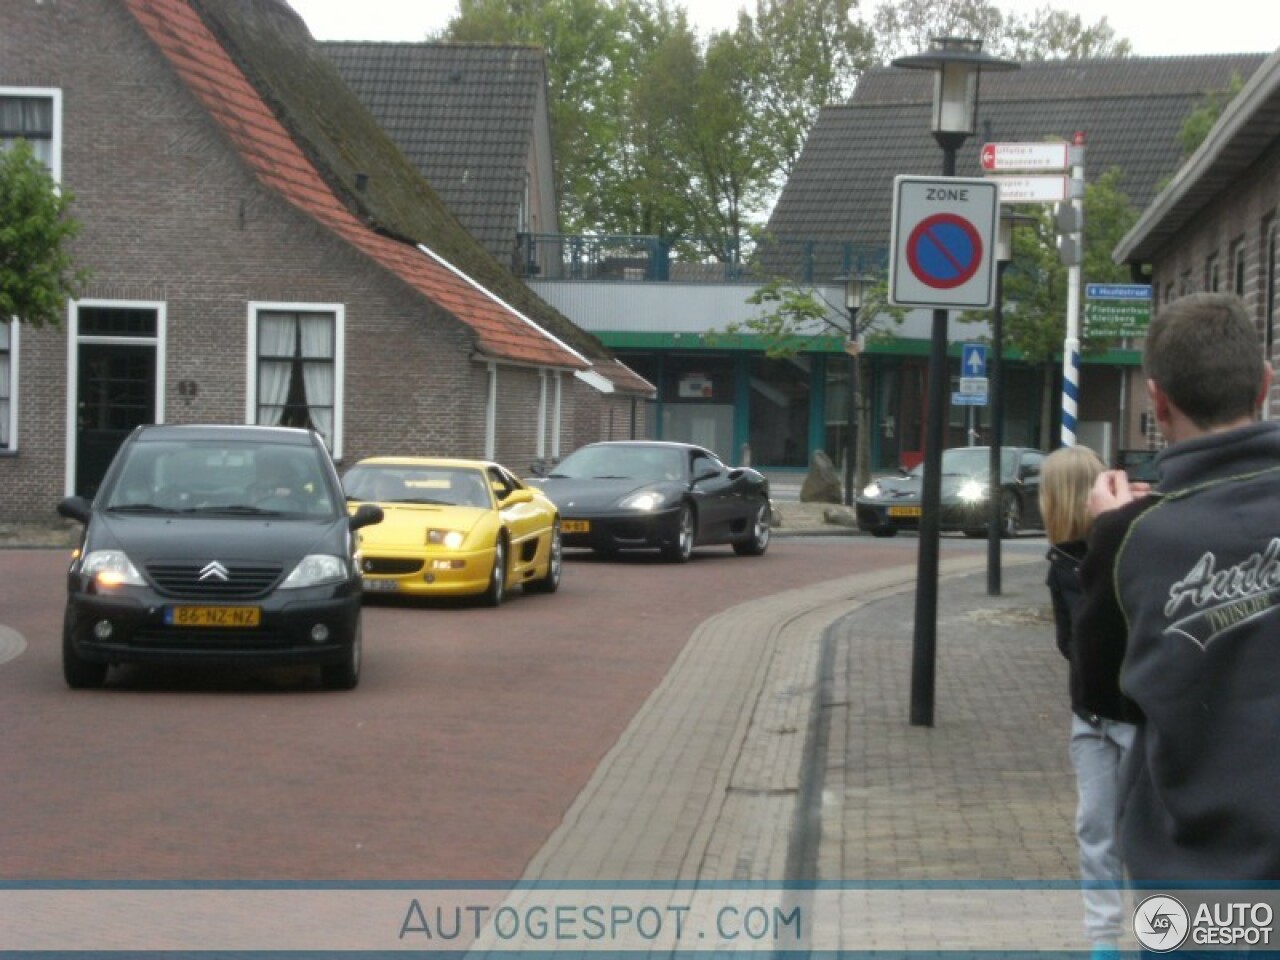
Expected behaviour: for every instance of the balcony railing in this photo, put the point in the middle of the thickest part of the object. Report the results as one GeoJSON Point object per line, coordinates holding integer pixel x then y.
{"type": "Point", "coordinates": [650, 259]}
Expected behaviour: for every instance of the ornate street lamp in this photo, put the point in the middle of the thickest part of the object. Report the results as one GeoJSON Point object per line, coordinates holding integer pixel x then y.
{"type": "Point", "coordinates": [852, 346]}
{"type": "Point", "coordinates": [957, 64]}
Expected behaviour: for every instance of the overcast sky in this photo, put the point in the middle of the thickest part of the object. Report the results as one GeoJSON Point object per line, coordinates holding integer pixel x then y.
{"type": "Point", "coordinates": [1154, 27]}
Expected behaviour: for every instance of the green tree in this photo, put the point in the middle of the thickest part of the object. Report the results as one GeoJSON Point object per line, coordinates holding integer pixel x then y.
{"type": "Point", "coordinates": [588, 45]}
{"type": "Point", "coordinates": [659, 132]}
{"type": "Point", "coordinates": [37, 271]}
{"type": "Point", "coordinates": [1195, 129]}
{"type": "Point", "coordinates": [905, 27]}
{"type": "Point", "coordinates": [1035, 283]}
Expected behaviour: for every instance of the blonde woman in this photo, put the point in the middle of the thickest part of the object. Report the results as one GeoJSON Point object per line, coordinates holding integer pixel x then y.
{"type": "Point", "coordinates": [1098, 741]}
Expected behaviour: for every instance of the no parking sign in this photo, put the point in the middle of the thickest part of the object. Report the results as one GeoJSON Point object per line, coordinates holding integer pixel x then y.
{"type": "Point", "coordinates": [944, 231]}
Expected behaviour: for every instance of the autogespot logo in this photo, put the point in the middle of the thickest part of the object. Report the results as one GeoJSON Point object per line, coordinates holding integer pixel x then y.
{"type": "Point", "coordinates": [1161, 923]}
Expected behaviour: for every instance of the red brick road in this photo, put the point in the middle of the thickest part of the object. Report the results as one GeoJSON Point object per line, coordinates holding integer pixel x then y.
{"type": "Point", "coordinates": [471, 733]}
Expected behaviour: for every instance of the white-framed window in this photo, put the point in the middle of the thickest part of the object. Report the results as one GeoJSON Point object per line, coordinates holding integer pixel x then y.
{"type": "Point", "coordinates": [33, 114]}
{"type": "Point", "coordinates": [296, 362]}
{"type": "Point", "coordinates": [8, 386]}
{"type": "Point", "coordinates": [1213, 274]}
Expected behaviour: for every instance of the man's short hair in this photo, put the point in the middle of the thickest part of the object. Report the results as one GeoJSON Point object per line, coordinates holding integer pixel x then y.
{"type": "Point", "coordinates": [1205, 354]}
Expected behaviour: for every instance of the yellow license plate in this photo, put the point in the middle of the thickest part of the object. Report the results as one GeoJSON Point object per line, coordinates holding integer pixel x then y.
{"type": "Point", "coordinates": [213, 616]}
{"type": "Point", "coordinates": [576, 526]}
{"type": "Point", "coordinates": [904, 511]}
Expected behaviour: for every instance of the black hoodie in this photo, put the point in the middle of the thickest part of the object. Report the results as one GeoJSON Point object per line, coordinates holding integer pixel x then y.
{"type": "Point", "coordinates": [1185, 585]}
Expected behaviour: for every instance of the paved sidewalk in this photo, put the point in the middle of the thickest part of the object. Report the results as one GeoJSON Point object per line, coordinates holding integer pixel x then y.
{"type": "Point", "coordinates": [779, 748]}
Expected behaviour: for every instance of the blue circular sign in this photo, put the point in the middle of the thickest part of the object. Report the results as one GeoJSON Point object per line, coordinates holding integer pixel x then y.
{"type": "Point", "coordinates": [944, 251]}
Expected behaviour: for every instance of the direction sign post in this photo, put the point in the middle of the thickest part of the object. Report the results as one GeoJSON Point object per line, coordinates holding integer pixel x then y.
{"type": "Point", "coordinates": [1116, 309]}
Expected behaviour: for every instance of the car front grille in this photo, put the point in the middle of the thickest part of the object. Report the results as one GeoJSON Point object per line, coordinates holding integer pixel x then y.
{"type": "Point", "coordinates": [205, 582]}
{"type": "Point", "coordinates": [169, 638]}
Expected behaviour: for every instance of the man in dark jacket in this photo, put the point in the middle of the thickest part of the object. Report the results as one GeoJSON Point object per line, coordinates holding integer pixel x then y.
{"type": "Point", "coordinates": [1182, 595]}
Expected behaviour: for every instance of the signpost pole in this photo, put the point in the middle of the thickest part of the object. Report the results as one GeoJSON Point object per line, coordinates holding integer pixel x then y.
{"type": "Point", "coordinates": [1071, 345]}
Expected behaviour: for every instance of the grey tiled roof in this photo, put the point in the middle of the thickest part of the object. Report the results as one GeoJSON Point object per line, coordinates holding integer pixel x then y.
{"type": "Point", "coordinates": [1130, 111]}
{"type": "Point", "coordinates": [463, 114]}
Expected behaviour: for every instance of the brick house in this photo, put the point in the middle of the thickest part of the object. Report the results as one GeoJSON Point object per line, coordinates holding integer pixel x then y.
{"type": "Point", "coordinates": [1216, 226]}
{"type": "Point", "coordinates": [259, 252]}
{"type": "Point", "coordinates": [840, 195]}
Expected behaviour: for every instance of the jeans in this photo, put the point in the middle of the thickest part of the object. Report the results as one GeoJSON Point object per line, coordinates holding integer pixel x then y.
{"type": "Point", "coordinates": [1096, 753]}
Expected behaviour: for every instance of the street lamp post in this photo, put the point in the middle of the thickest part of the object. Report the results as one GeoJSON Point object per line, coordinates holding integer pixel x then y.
{"type": "Point", "coordinates": [852, 304]}
{"type": "Point", "coordinates": [957, 64]}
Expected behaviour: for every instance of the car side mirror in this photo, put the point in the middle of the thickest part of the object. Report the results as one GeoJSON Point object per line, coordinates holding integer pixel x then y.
{"type": "Point", "coordinates": [75, 508]}
{"type": "Point", "coordinates": [538, 468]}
{"type": "Point", "coordinates": [517, 497]}
{"type": "Point", "coordinates": [366, 515]}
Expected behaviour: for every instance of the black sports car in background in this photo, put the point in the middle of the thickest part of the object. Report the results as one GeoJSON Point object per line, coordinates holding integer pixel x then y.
{"type": "Point", "coordinates": [635, 495]}
{"type": "Point", "coordinates": [890, 504]}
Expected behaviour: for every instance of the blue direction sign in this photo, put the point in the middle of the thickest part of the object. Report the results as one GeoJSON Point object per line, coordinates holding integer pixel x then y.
{"type": "Point", "coordinates": [944, 231]}
{"type": "Point", "coordinates": [973, 360]}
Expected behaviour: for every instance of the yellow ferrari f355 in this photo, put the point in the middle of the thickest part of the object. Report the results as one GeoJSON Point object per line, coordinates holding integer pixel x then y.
{"type": "Point", "coordinates": [453, 528]}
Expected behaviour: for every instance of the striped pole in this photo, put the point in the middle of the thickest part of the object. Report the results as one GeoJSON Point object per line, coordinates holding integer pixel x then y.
{"type": "Point", "coordinates": [1071, 346]}
{"type": "Point", "coordinates": [1070, 390]}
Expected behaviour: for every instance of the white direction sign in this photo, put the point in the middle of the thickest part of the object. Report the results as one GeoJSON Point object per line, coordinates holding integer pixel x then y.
{"type": "Point", "coordinates": [1033, 189]}
{"type": "Point", "coordinates": [944, 232]}
{"type": "Point", "coordinates": [1025, 156]}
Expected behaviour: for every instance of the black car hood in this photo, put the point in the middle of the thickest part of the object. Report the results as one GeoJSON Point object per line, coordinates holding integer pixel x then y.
{"type": "Point", "coordinates": [910, 485]}
{"type": "Point", "coordinates": [199, 539]}
{"type": "Point", "coordinates": [582, 495]}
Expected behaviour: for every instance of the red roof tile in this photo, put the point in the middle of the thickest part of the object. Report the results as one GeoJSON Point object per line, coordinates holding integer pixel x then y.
{"type": "Point", "coordinates": [280, 164]}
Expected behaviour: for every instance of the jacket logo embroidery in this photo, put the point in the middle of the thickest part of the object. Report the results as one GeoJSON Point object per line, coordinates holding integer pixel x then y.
{"type": "Point", "coordinates": [1225, 598]}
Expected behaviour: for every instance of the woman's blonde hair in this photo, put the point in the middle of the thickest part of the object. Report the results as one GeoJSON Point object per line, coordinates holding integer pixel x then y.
{"type": "Point", "coordinates": [1065, 481]}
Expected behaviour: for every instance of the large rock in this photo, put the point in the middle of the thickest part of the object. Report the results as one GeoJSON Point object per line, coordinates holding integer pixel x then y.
{"type": "Point", "coordinates": [822, 482]}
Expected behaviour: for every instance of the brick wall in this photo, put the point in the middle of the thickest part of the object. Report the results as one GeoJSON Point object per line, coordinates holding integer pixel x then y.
{"type": "Point", "coordinates": [1243, 215]}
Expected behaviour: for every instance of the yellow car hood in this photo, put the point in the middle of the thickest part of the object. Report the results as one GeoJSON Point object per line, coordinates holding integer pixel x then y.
{"type": "Point", "coordinates": [405, 525]}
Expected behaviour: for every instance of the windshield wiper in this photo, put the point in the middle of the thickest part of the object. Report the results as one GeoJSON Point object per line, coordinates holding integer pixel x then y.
{"type": "Point", "coordinates": [139, 508]}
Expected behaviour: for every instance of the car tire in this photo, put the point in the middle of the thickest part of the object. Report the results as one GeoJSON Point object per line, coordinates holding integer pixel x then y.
{"type": "Point", "coordinates": [496, 592]}
{"type": "Point", "coordinates": [345, 675]}
{"type": "Point", "coordinates": [79, 673]}
{"type": "Point", "coordinates": [758, 542]}
{"type": "Point", "coordinates": [550, 583]}
{"type": "Point", "coordinates": [681, 548]}
{"type": "Point", "coordinates": [883, 532]}
{"type": "Point", "coordinates": [1010, 516]}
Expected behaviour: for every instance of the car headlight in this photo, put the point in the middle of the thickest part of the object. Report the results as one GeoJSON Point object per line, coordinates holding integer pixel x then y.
{"type": "Point", "coordinates": [871, 490]}
{"type": "Point", "coordinates": [971, 491]}
{"type": "Point", "coordinates": [646, 500]}
{"type": "Point", "coordinates": [111, 568]}
{"type": "Point", "coordinates": [445, 538]}
{"type": "Point", "coordinates": [316, 568]}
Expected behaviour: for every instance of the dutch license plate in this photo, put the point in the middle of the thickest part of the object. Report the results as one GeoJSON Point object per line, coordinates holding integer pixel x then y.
{"type": "Point", "coordinates": [576, 526]}
{"type": "Point", "coordinates": [213, 616]}
{"type": "Point", "coordinates": [381, 586]}
{"type": "Point", "coordinates": [904, 511]}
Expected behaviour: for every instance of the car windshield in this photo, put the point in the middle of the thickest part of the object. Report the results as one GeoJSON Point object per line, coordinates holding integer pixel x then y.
{"type": "Point", "coordinates": [404, 483]}
{"type": "Point", "coordinates": [969, 462]}
{"type": "Point", "coordinates": [623, 463]}
{"type": "Point", "coordinates": [222, 477]}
